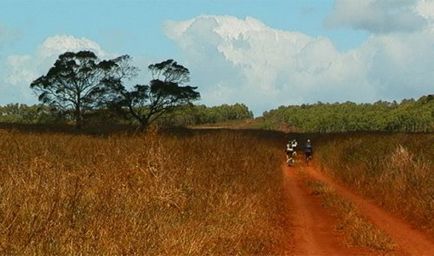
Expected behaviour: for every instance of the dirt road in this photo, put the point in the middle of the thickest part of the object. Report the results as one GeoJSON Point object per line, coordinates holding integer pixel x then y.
{"type": "Point", "coordinates": [315, 229]}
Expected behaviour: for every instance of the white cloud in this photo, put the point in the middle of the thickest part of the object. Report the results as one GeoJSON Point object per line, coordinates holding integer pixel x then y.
{"type": "Point", "coordinates": [377, 16]}
{"type": "Point", "coordinates": [55, 45]}
{"type": "Point", "coordinates": [244, 60]}
{"type": "Point", "coordinates": [426, 9]}
{"type": "Point", "coordinates": [20, 69]}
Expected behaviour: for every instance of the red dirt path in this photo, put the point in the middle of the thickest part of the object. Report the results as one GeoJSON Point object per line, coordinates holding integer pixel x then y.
{"type": "Point", "coordinates": [314, 229]}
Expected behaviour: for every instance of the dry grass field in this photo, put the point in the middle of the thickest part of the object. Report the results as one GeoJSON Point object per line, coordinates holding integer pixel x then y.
{"type": "Point", "coordinates": [190, 193]}
{"type": "Point", "coordinates": [194, 192]}
{"type": "Point", "coordinates": [396, 170]}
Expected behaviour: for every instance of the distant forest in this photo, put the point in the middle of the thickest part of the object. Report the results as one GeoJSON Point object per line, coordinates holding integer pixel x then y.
{"type": "Point", "coordinates": [407, 116]}
{"type": "Point", "coordinates": [181, 116]}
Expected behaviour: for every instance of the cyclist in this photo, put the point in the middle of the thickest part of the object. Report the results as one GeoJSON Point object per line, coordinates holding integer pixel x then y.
{"type": "Point", "coordinates": [291, 152]}
{"type": "Point", "coordinates": [308, 151]}
{"type": "Point", "coordinates": [294, 145]}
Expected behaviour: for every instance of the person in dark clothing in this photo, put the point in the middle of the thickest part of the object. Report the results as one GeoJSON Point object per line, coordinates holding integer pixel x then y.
{"type": "Point", "coordinates": [308, 151]}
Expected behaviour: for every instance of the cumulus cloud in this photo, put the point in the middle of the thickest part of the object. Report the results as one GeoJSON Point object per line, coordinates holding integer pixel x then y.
{"type": "Point", "coordinates": [377, 16]}
{"type": "Point", "coordinates": [56, 45]}
{"type": "Point", "coordinates": [247, 61]}
{"type": "Point", "coordinates": [21, 70]}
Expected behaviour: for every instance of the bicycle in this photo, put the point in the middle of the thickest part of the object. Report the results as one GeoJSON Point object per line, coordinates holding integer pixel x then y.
{"type": "Point", "coordinates": [290, 161]}
{"type": "Point", "coordinates": [308, 157]}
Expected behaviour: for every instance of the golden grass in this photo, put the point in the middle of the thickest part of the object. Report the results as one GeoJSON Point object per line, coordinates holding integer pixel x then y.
{"type": "Point", "coordinates": [195, 193]}
{"type": "Point", "coordinates": [359, 231]}
{"type": "Point", "coordinates": [396, 170]}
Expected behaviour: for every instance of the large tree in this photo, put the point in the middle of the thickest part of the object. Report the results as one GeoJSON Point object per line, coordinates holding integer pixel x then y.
{"type": "Point", "coordinates": [165, 92]}
{"type": "Point", "coordinates": [74, 84]}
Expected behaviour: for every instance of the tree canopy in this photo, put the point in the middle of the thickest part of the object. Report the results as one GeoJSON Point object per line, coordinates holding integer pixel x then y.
{"type": "Point", "coordinates": [79, 83]}
{"type": "Point", "coordinates": [166, 91]}
{"type": "Point", "coordinates": [73, 85]}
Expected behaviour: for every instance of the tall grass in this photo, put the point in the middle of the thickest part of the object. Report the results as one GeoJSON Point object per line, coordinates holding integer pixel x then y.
{"type": "Point", "coordinates": [396, 170]}
{"type": "Point", "coordinates": [149, 194]}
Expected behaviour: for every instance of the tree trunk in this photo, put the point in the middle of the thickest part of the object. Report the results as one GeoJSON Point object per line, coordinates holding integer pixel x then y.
{"type": "Point", "coordinates": [78, 118]}
{"type": "Point", "coordinates": [143, 125]}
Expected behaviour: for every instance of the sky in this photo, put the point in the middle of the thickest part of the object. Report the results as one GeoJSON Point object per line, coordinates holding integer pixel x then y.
{"type": "Point", "coordinates": [264, 53]}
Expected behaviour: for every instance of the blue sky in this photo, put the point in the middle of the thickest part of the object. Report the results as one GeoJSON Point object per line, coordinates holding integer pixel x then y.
{"type": "Point", "coordinates": [264, 53]}
{"type": "Point", "coordinates": [136, 26]}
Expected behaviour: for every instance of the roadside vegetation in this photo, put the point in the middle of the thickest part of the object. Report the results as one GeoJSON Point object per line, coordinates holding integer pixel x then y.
{"type": "Point", "coordinates": [409, 115]}
{"type": "Point", "coordinates": [358, 230]}
{"type": "Point", "coordinates": [395, 170]}
{"type": "Point", "coordinates": [159, 193]}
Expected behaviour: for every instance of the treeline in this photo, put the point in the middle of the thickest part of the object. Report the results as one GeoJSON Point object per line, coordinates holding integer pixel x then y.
{"type": "Point", "coordinates": [181, 116]}
{"type": "Point", "coordinates": [201, 114]}
{"type": "Point", "coordinates": [26, 114]}
{"type": "Point", "coordinates": [407, 116]}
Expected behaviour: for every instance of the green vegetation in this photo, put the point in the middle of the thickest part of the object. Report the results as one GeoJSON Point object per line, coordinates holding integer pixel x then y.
{"type": "Point", "coordinates": [201, 114]}
{"type": "Point", "coordinates": [396, 170]}
{"type": "Point", "coordinates": [406, 116]}
{"type": "Point", "coordinates": [25, 114]}
{"type": "Point", "coordinates": [180, 116]}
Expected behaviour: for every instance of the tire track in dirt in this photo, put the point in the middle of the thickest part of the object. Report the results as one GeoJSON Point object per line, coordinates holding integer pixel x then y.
{"type": "Point", "coordinates": [313, 228]}
{"type": "Point", "coordinates": [409, 240]}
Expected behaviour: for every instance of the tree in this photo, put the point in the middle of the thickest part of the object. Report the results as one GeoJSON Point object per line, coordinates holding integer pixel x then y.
{"type": "Point", "coordinates": [73, 85]}
{"type": "Point", "coordinates": [165, 92]}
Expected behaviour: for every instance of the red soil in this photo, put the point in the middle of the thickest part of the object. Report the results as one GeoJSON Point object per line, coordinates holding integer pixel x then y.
{"type": "Point", "coordinates": [314, 228]}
